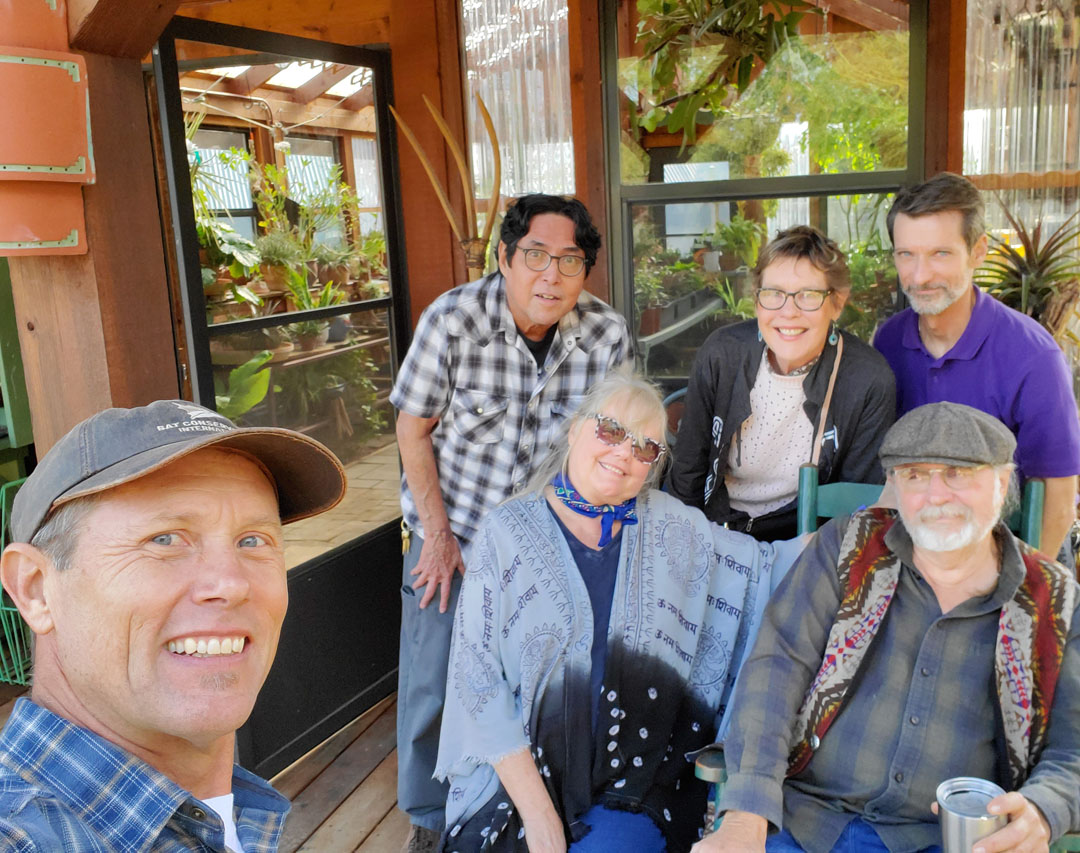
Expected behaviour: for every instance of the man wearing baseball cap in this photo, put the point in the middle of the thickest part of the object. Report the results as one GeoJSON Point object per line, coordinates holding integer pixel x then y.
{"type": "Point", "coordinates": [905, 648]}
{"type": "Point", "coordinates": [147, 557]}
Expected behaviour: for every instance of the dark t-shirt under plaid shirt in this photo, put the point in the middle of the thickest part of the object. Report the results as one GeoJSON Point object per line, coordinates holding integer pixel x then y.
{"type": "Point", "coordinates": [498, 411]}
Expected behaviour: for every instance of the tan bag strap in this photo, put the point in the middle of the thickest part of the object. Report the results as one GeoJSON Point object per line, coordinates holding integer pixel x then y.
{"type": "Point", "coordinates": [816, 455]}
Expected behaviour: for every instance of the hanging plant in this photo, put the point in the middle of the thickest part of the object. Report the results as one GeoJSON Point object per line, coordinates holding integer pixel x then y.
{"type": "Point", "coordinates": [696, 52]}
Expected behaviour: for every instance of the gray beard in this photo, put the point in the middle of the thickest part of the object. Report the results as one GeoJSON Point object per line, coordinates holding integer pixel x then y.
{"type": "Point", "coordinates": [934, 306]}
{"type": "Point", "coordinates": [928, 539]}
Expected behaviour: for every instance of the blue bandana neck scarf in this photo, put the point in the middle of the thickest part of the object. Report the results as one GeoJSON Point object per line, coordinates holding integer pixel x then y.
{"type": "Point", "coordinates": [609, 513]}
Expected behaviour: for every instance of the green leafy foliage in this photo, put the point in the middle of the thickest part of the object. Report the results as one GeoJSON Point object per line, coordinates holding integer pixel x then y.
{"type": "Point", "coordinates": [246, 387]}
{"type": "Point", "coordinates": [269, 191]}
{"type": "Point", "coordinates": [306, 388]}
{"type": "Point", "coordinates": [306, 299]}
{"type": "Point", "coordinates": [737, 306]}
{"type": "Point", "coordinates": [1030, 276]}
{"type": "Point", "coordinates": [740, 237]}
{"type": "Point", "coordinates": [227, 247]}
{"type": "Point", "coordinates": [323, 207]}
{"type": "Point", "coordinates": [280, 248]}
{"type": "Point", "coordinates": [873, 286]}
{"type": "Point", "coordinates": [697, 55]}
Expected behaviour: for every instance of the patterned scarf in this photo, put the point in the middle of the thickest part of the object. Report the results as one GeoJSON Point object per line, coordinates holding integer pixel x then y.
{"type": "Point", "coordinates": [609, 513]}
{"type": "Point", "coordinates": [1032, 631]}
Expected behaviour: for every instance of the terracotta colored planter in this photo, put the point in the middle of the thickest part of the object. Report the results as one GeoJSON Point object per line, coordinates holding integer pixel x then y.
{"type": "Point", "coordinates": [307, 343]}
{"type": "Point", "coordinates": [275, 277]}
{"type": "Point", "coordinates": [649, 321]}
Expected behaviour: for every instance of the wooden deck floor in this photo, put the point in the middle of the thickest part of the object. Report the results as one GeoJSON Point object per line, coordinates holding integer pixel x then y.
{"type": "Point", "coordinates": [344, 792]}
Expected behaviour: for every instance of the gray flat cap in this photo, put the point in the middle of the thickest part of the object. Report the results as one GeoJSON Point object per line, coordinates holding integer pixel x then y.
{"type": "Point", "coordinates": [950, 433]}
{"type": "Point", "coordinates": [117, 446]}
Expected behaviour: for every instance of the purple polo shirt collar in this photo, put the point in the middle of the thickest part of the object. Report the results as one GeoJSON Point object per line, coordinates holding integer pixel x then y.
{"type": "Point", "coordinates": [971, 341]}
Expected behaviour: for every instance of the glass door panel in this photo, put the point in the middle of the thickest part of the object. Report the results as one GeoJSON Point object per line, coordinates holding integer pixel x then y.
{"type": "Point", "coordinates": [295, 286]}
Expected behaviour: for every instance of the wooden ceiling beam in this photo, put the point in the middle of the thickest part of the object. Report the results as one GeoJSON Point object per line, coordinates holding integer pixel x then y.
{"type": "Point", "coordinates": [286, 111]}
{"type": "Point", "coordinates": [94, 25]}
{"type": "Point", "coordinates": [322, 81]}
{"type": "Point", "coordinates": [250, 80]}
{"type": "Point", "coordinates": [359, 99]}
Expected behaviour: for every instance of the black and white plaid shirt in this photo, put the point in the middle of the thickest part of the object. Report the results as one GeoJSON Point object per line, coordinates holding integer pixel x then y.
{"type": "Point", "coordinates": [498, 413]}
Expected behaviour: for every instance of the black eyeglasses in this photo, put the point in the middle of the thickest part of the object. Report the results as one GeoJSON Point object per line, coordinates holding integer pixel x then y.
{"type": "Point", "coordinates": [773, 299]}
{"type": "Point", "coordinates": [613, 433]}
{"type": "Point", "coordinates": [538, 260]}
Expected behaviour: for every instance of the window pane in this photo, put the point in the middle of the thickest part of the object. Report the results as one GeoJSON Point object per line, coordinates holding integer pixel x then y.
{"type": "Point", "coordinates": [338, 393]}
{"type": "Point", "coordinates": [516, 57]}
{"type": "Point", "coordinates": [692, 267]}
{"type": "Point", "coordinates": [219, 154]}
{"type": "Point", "coordinates": [833, 98]}
{"type": "Point", "coordinates": [1021, 112]}
{"type": "Point", "coordinates": [280, 228]}
{"type": "Point", "coordinates": [368, 189]}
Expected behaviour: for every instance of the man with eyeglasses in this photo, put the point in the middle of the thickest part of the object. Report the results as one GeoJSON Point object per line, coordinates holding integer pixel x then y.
{"type": "Point", "coordinates": [494, 368]}
{"type": "Point", "coordinates": [906, 647]}
{"type": "Point", "coordinates": [958, 343]}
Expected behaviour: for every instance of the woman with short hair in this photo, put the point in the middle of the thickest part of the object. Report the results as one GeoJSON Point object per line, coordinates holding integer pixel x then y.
{"type": "Point", "coordinates": [759, 403]}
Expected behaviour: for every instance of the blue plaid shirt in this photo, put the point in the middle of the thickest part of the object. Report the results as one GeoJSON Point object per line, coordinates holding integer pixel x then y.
{"type": "Point", "coordinates": [64, 788]}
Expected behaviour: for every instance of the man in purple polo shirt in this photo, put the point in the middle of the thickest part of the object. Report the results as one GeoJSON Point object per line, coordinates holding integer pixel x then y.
{"type": "Point", "coordinates": [955, 343]}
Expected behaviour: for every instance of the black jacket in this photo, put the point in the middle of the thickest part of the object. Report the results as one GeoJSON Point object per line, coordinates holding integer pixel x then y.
{"type": "Point", "coordinates": [718, 402]}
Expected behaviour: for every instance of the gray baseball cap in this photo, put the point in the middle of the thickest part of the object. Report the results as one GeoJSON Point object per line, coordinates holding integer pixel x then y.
{"type": "Point", "coordinates": [120, 445]}
{"type": "Point", "coordinates": [949, 433]}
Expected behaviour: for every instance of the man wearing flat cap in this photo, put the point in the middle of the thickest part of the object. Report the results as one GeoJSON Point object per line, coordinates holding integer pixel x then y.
{"type": "Point", "coordinates": [905, 648]}
{"type": "Point", "coordinates": [147, 557]}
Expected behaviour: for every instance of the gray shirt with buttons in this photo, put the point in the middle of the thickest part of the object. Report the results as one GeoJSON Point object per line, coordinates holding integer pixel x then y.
{"type": "Point", "coordinates": [923, 708]}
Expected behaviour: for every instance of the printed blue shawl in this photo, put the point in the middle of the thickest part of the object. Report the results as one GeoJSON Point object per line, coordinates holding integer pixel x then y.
{"type": "Point", "coordinates": [687, 603]}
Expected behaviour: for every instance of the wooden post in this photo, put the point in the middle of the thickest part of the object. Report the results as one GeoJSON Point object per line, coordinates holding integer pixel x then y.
{"type": "Point", "coordinates": [946, 50]}
{"type": "Point", "coordinates": [435, 261]}
{"type": "Point", "coordinates": [95, 329]}
{"type": "Point", "coordinates": [586, 110]}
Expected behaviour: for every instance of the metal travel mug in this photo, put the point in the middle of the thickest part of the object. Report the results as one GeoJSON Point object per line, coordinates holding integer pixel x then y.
{"type": "Point", "coordinates": [962, 811]}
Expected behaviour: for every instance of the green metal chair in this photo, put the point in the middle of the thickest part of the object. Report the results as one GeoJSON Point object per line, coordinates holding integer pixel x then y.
{"type": "Point", "coordinates": [832, 499]}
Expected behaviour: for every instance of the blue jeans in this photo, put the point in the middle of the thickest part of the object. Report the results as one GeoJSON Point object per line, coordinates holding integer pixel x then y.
{"type": "Point", "coordinates": [857, 837]}
{"type": "Point", "coordinates": [423, 657]}
{"type": "Point", "coordinates": [617, 832]}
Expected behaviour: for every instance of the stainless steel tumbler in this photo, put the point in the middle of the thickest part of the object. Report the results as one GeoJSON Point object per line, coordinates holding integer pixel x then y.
{"type": "Point", "coordinates": [962, 812]}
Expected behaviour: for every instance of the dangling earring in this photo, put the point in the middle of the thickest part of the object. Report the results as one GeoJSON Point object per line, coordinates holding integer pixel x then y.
{"type": "Point", "coordinates": [759, 333]}
{"type": "Point", "coordinates": [832, 335]}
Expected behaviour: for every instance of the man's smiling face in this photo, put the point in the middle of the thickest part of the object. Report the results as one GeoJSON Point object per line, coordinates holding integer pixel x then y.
{"type": "Point", "coordinates": [538, 300]}
{"type": "Point", "coordinates": [166, 624]}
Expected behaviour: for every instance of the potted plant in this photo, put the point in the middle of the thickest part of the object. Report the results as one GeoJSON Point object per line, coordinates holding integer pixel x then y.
{"type": "Point", "coordinates": [306, 391]}
{"type": "Point", "coordinates": [1041, 277]}
{"type": "Point", "coordinates": [332, 264]}
{"type": "Point", "coordinates": [650, 296]}
{"type": "Point", "coordinates": [739, 239]}
{"type": "Point", "coordinates": [269, 192]}
{"type": "Point", "coordinates": [323, 208]}
{"type": "Point", "coordinates": [279, 252]}
{"type": "Point", "coordinates": [309, 334]}
{"type": "Point", "coordinates": [740, 307]}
